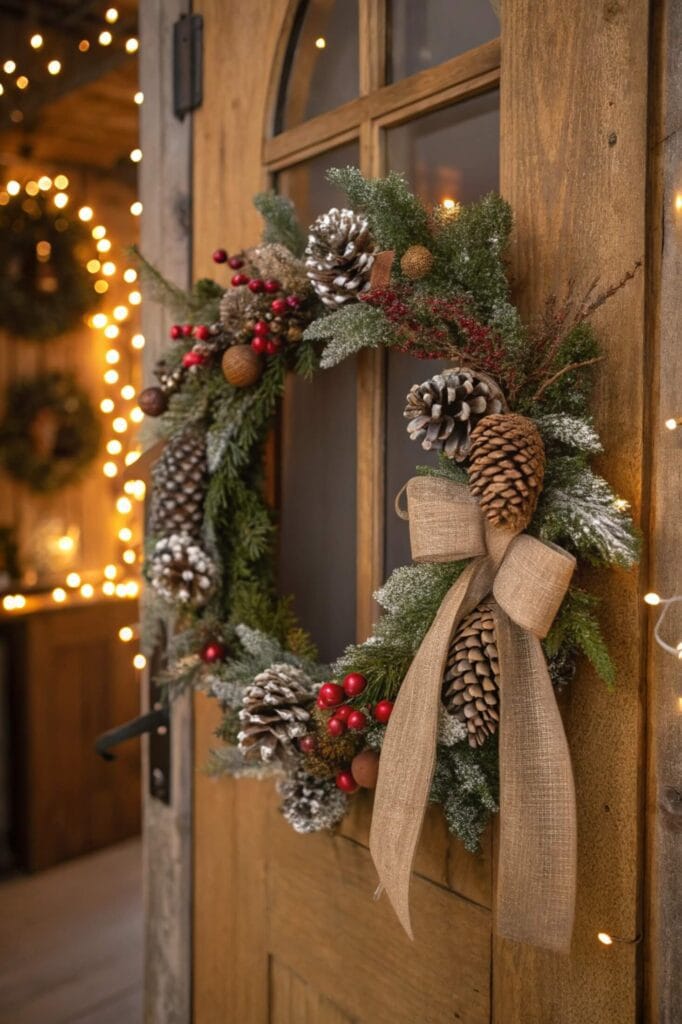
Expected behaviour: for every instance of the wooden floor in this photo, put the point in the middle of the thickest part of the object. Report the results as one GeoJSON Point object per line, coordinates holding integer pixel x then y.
{"type": "Point", "coordinates": [71, 942]}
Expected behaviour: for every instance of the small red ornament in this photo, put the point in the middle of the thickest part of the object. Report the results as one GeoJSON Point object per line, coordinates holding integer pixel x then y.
{"type": "Point", "coordinates": [293, 301]}
{"type": "Point", "coordinates": [202, 333]}
{"type": "Point", "coordinates": [187, 330]}
{"type": "Point", "coordinates": [261, 327]}
{"type": "Point", "coordinates": [307, 744]}
{"type": "Point", "coordinates": [220, 256]}
{"type": "Point", "coordinates": [321, 704]}
{"type": "Point", "coordinates": [239, 279]}
{"type": "Point", "coordinates": [343, 712]}
{"type": "Point", "coordinates": [192, 359]}
{"type": "Point", "coordinates": [256, 285]}
{"type": "Point", "coordinates": [213, 651]}
{"type": "Point", "coordinates": [332, 694]}
{"type": "Point", "coordinates": [382, 710]}
{"type": "Point", "coordinates": [354, 683]}
{"type": "Point", "coordinates": [176, 332]}
{"type": "Point", "coordinates": [271, 347]}
{"type": "Point", "coordinates": [259, 343]}
{"type": "Point", "coordinates": [271, 286]}
{"type": "Point", "coordinates": [346, 782]}
{"type": "Point", "coordinates": [357, 721]}
{"type": "Point", "coordinates": [335, 727]}
{"type": "Point", "coordinates": [235, 262]}
{"type": "Point", "coordinates": [279, 306]}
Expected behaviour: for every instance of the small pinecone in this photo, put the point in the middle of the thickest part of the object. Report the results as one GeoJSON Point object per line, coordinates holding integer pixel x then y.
{"type": "Point", "coordinates": [339, 256]}
{"type": "Point", "coordinates": [444, 410]}
{"type": "Point", "coordinates": [310, 804]}
{"type": "Point", "coordinates": [471, 679]}
{"type": "Point", "coordinates": [181, 571]}
{"type": "Point", "coordinates": [237, 307]}
{"type": "Point", "coordinates": [179, 486]}
{"type": "Point", "coordinates": [331, 753]}
{"type": "Point", "coordinates": [506, 469]}
{"type": "Point", "coordinates": [274, 260]}
{"type": "Point", "coordinates": [275, 713]}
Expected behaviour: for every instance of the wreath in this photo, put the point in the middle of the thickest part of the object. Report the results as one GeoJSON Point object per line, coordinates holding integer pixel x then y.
{"type": "Point", "coordinates": [50, 433]}
{"type": "Point", "coordinates": [488, 606]}
{"type": "Point", "coordinates": [45, 288]}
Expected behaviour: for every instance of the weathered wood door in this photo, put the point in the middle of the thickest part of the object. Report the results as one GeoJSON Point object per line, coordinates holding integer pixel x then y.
{"type": "Point", "coordinates": [284, 927]}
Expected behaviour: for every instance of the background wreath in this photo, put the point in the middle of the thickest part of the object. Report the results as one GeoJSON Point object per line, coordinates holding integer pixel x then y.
{"type": "Point", "coordinates": [44, 286]}
{"type": "Point", "coordinates": [50, 432]}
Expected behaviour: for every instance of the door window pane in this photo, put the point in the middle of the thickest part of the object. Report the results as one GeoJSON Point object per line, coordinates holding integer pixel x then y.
{"type": "Point", "coordinates": [452, 153]}
{"type": "Point", "coordinates": [421, 35]}
{"type": "Point", "coordinates": [321, 66]}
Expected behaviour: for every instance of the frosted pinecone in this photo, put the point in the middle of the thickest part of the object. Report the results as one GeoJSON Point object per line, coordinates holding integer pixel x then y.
{"type": "Point", "coordinates": [444, 410]}
{"type": "Point", "coordinates": [339, 256]}
{"type": "Point", "coordinates": [310, 804]}
{"type": "Point", "coordinates": [180, 570]}
{"type": "Point", "coordinates": [275, 713]}
{"type": "Point", "coordinates": [179, 481]}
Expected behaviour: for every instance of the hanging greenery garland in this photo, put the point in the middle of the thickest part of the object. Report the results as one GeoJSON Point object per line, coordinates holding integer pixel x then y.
{"type": "Point", "coordinates": [45, 288]}
{"type": "Point", "coordinates": [50, 432]}
{"type": "Point", "coordinates": [487, 606]}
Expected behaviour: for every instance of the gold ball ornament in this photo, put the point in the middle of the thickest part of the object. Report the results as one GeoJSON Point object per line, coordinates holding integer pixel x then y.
{"type": "Point", "coordinates": [242, 367]}
{"type": "Point", "coordinates": [416, 262]}
{"type": "Point", "coordinates": [365, 768]}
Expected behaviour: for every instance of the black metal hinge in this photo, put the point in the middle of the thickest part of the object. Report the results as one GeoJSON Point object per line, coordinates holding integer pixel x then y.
{"type": "Point", "coordinates": [188, 60]}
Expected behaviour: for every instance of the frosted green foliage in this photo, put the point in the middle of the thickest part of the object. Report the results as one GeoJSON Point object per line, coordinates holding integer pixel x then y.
{"type": "Point", "coordinates": [576, 628]}
{"type": "Point", "coordinates": [451, 730]}
{"type": "Point", "coordinates": [465, 783]}
{"type": "Point", "coordinates": [506, 319]}
{"type": "Point", "coordinates": [572, 432]}
{"type": "Point", "coordinates": [396, 217]}
{"type": "Point", "coordinates": [347, 331]}
{"type": "Point", "coordinates": [281, 222]}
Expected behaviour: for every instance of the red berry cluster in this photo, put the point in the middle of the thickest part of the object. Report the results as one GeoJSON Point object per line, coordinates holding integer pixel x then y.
{"type": "Point", "coordinates": [265, 340]}
{"type": "Point", "coordinates": [201, 333]}
{"type": "Point", "coordinates": [234, 262]}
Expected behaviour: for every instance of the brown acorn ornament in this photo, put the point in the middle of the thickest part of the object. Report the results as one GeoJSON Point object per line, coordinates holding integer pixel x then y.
{"type": "Point", "coordinates": [365, 768]}
{"type": "Point", "coordinates": [153, 401]}
{"type": "Point", "coordinates": [242, 367]}
{"type": "Point", "coordinates": [416, 262]}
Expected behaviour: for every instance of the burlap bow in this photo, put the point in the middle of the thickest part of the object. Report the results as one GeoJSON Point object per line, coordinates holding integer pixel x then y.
{"type": "Point", "coordinates": [528, 579]}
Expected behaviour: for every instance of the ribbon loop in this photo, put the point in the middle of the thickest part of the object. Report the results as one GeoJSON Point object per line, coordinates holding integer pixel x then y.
{"type": "Point", "coordinates": [532, 582]}
{"type": "Point", "coordinates": [445, 521]}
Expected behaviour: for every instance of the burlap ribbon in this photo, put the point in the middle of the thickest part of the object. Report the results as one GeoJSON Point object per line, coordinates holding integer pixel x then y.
{"type": "Point", "coordinates": [528, 579]}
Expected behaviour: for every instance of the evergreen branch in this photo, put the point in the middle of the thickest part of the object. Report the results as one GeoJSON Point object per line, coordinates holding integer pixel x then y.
{"type": "Point", "coordinates": [565, 369]}
{"type": "Point", "coordinates": [281, 222]}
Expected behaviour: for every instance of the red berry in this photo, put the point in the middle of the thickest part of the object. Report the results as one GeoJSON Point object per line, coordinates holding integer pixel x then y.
{"type": "Point", "coordinates": [259, 343]}
{"type": "Point", "coordinates": [346, 782]}
{"type": "Point", "coordinates": [220, 256]}
{"type": "Point", "coordinates": [271, 285]}
{"type": "Point", "coordinates": [332, 694]}
{"type": "Point", "coordinates": [354, 683]}
{"type": "Point", "coordinates": [382, 710]}
{"type": "Point", "coordinates": [176, 332]}
{"type": "Point", "coordinates": [235, 262]}
{"type": "Point", "coordinates": [357, 721]}
{"type": "Point", "coordinates": [271, 347]}
{"type": "Point", "coordinates": [307, 744]}
{"type": "Point", "coordinates": [279, 306]}
{"type": "Point", "coordinates": [213, 651]}
{"type": "Point", "coordinates": [322, 704]}
{"type": "Point", "coordinates": [335, 727]}
{"type": "Point", "coordinates": [293, 302]}
{"type": "Point", "coordinates": [192, 359]}
{"type": "Point", "coordinates": [343, 712]}
{"type": "Point", "coordinates": [261, 327]}
{"type": "Point", "coordinates": [187, 330]}
{"type": "Point", "coordinates": [202, 333]}
{"type": "Point", "coordinates": [239, 279]}
{"type": "Point", "coordinates": [256, 285]}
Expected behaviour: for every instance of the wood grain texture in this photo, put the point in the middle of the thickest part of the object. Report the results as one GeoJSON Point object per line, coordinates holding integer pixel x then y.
{"type": "Point", "coordinates": [294, 1001]}
{"type": "Point", "coordinates": [663, 934]}
{"type": "Point", "coordinates": [574, 117]}
{"type": "Point", "coordinates": [165, 240]}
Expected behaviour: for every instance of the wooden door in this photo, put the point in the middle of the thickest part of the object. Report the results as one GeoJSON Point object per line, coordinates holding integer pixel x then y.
{"type": "Point", "coordinates": [284, 927]}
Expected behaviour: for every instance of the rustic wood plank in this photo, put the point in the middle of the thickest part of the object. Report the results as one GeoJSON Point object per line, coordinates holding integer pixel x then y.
{"type": "Point", "coordinates": [574, 116]}
{"type": "Point", "coordinates": [663, 932]}
{"type": "Point", "coordinates": [294, 1001]}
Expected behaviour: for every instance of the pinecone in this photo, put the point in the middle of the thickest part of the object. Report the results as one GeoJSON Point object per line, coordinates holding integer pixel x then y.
{"type": "Point", "coordinates": [275, 713]}
{"type": "Point", "coordinates": [471, 679]}
{"type": "Point", "coordinates": [181, 571]}
{"type": "Point", "coordinates": [506, 469]}
{"type": "Point", "coordinates": [179, 486]}
{"type": "Point", "coordinates": [274, 260]}
{"type": "Point", "coordinates": [310, 804]}
{"type": "Point", "coordinates": [331, 753]}
{"type": "Point", "coordinates": [444, 410]}
{"type": "Point", "coordinates": [339, 256]}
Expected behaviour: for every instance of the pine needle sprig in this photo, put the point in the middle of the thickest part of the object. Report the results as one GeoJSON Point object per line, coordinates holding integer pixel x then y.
{"type": "Point", "coordinates": [281, 222]}
{"type": "Point", "coordinates": [396, 217]}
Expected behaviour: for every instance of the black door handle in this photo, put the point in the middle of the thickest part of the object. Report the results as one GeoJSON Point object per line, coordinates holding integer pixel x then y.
{"type": "Point", "coordinates": [129, 730]}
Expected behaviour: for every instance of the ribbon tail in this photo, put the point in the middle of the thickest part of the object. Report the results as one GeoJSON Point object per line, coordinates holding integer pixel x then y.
{"type": "Point", "coordinates": [408, 754]}
{"type": "Point", "coordinates": [536, 881]}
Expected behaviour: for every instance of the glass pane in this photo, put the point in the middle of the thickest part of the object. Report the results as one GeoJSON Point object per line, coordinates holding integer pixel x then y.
{"type": "Point", "coordinates": [321, 66]}
{"type": "Point", "coordinates": [317, 530]}
{"type": "Point", "coordinates": [421, 35]}
{"type": "Point", "coordinates": [452, 153]}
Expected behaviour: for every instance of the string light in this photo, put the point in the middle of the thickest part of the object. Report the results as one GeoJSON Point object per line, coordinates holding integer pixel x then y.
{"type": "Point", "coordinates": [120, 425]}
{"type": "Point", "coordinates": [61, 181]}
{"type": "Point", "coordinates": [128, 392]}
{"type": "Point", "coordinates": [114, 447]}
{"type": "Point", "coordinates": [666, 604]}
{"type": "Point", "coordinates": [112, 331]}
{"type": "Point", "coordinates": [673, 424]}
{"type": "Point", "coordinates": [110, 469]}
{"type": "Point", "coordinates": [101, 287]}
{"type": "Point", "coordinates": [135, 298]}
{"type": "Point", "coordinates": [54, 67]}
{"type": "Point", "coordinates": [132, 45]}
{"type": "Point", "coordinates": [60, 200]}
{"type": "Point", "coordinates": [137, 341]}
{"type": "Point", "coordinates": [36, 41]}
{"type": "Point", "coordinates": [139, 661]}
{"type": "Point", "coordinates": [125, 634]}
{"type": "Point", "coordinates": [107, 406]}
{"type": "Point", "coordinates": [104, 38]}
{"type": "Point", "coordinates": [129, 275]}
{"type": "Point", "coordinates": [9, 67]}
{"type": "Point", "coordinates": [59, 595]}
{"type": "Point", "coordinates": [111, 15]}
{"type": "Point", "coordinates": [84, 45]}
{"type": "Point", "coordinates": [100, 320]}
{"type": "Point", "coordinates": [111, 377]}
{"type": "Point", "coordinates": [44, 183]}
{"type": "Point", "coordinates": [110, 572]}
{"type": "Point", "coordinates": [73, 580]}
{"type": "Point", "coordinates": [108, 588]}
{"type": "Point", "coordinates": [136, 155]}
{"type": "Point", "coordinates": [125, 534]}
{"type": "Point", "coordinates": [85, 213]}
{"type": "Point", "coordinates": [136, 208]}
{"type": "Point", "coordinates": [93, 266]}
{"type": "Point", "coordinates": [22, 82]}
{"type": "Point", "coordinates": [124, 506]}
{"type": "Point", "coordinates": [120, 312]}
{"type": "Point", "coordinates": [108, 268]}
{"type": "Point", "coordinates": [13, 188]}
{"type": "Point", "coordinates": [605, 938]}
{"type": "Point", "coordinates": [139, 98]}
{"type": "Point", "coordinates": [320, 43]}
{"type": "Point", "coordinates": [136, 415]}
{"type": "Point", "coordinates": [87, 591]}
{"type": "Point", "coordinates": [99, 231]}
{"type": "Point", "coordinates": [104, 245]}
{"type": "Point", "coordinates": [112, 356]}
{"type": "Point", "coordinates": [678, 202]}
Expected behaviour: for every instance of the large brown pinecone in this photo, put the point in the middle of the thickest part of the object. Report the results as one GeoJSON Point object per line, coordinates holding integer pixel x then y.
{"type": "Point", "coordinates": [444, 410]}
{"type": "Point", "coordinates": [506, 469]}
{"type": "Point", "coordinates": [339, 256]}
{"type": "Point", "coordinates": [179, 481]}
{"type": "Point", "coordinates": [275, 713]}
{"type": "Point", "coordinates": [180, 570]}
{"type": "Point", "coordinates": [472, 675]}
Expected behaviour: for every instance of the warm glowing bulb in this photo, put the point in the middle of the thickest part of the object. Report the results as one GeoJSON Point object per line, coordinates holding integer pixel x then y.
{"type": "Point", "coordinates": [111, 15]}
{"type": "Point", "coordinates": [136, 208]}
{"type": "Point", "coordinates": [87, 590]}
{"type": "Point", "coordinates": [110, 571]}
{"type": "Point", "coordinates": [13, 187]}
{"type": "Point", "coordinates": [137, 341]}
{"type": "Point", "coordinates": [59, 595]}
{"type": "Point", "coordinates": [66, 543]}
{"type": "Point", "coordinates": [136, 155]}
{"type": "Point", "coordinates": [139, 98]}
{"type": "Point", "coordinates": [110, 469]}
{"type": "Point", "coordinates": [2, 89]}
{"type": "Point", "coordinates": [106, 405]}
{"type": "Point", "coordinates": [93, 266]}
{"type": "Point", "coordinates": [124, 506]}
{"type": "Point", "coordinates": [125, 634]}
{"type": "Point", "coordinates": [9, 67]}
{"type": "Point", "coordinates": [36, 41]}
{"type": "Point", "coordinates": [99, 231]}
{"type": "Point", "coordinates": [104, 38]}
{"type": "Point", "coordinates": [22, 82]}
{"type": "Point", "coordinates": [605, 938]}
{"type": "Point", "coordinates": [139, 661]}
{"type": "Point", "coordinates": [108, 588]}
{"type": "Point", "coordinates": [73, 580]}
{"type": "Point", "coordinates": [111, 377]}
{"type": "Point", "coordinates": [320, 42]}
{"type": "Point", "coordinates": [54, 67]}
{"type": "Point", "coordinates": [112, 356]}
{"type": "Point", "coordinates": [114, 447]}
{"type": "Point", "coordinates": [135, 298]}
{"type": "Point", "coordinates": [104, 245]}
{"type": "Point", "coordinates": [449, 205]}
{"type": "Point", "coordinates": [61, 181]}
{"type": "Point", "coordinates": [60, 200]}
{"type": "Point", "coordinates": [652, 598]}
{"type": "Point", "coordinates": [139, 489]}
{"type": "Point", "coordinates": [128, 392]}
{"type": "Point", "coordinates": [31, 188]}
{"type": "Point", "coordinates": [101, 287]}
{"type": "Point", "coordinates": [129, 556]}
{"type": "Point", "coordinates": [129, 275]}
{"type": "Point", "coordinates": [108, 268]}
{"type": "Point", "coordinates": [111, 331]}
{"type": "Point", "coordinates": [84, 46]}
{"type": "Point", "coordinates": [125, 534]}
{"type": "Point", "coordinates": [132, 588]}
{"type": "Point", "coordinates": [100, 320]}
{"type": "Point", "coordinates": [672, 424]}
{"type": "Point", "coordinates": [132, 45]}
{"type": "Point", "coordinates": [85, 213]}
{"type": "Point", "coordinates": [678, 202]}
{"type": "Point", "coordinates": [121, 590]}
{"type": "Point", "coordinates": [136, 415]}
{"type": "Point", "coordinates": [44, 183]}
{"type": "Point", "coordinates": [8, 603]}
{"type": "Point", "coordinates": [120, 312]}
{"type": "Point", "coordinates": [132, 457]}
{"type": "Point", "coordinates": [120, 425]}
